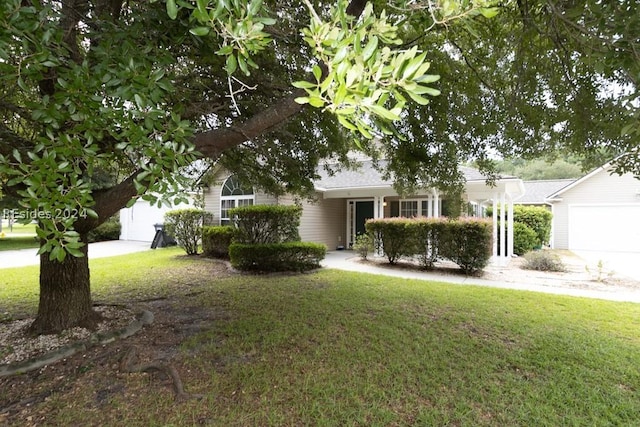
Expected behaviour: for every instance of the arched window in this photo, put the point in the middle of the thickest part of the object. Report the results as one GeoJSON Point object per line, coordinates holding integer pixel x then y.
{"type": "Point", "coordinates": [233, 195]}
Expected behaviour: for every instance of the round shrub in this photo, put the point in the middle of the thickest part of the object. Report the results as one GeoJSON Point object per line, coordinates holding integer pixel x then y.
{"type": "Point", "coordinates": [543, 261]}
{"type": "Point", "coordinates": [216, 240]}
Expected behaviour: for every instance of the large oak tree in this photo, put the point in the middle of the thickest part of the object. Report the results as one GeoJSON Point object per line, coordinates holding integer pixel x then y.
{"type": "Point", "coordinates": [134, 91]}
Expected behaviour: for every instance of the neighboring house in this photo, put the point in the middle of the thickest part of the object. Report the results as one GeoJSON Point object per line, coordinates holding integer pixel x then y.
{"type": "Point", "coordinates": [345, 200]}
{"type": "Point", "coordinates": [138, 221]}
{"type": "Point", "coordinates": [537, 192]}
{"type": "Point", "coordinates": [598, 212]}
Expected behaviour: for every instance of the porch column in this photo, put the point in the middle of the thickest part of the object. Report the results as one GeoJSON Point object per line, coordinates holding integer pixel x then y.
{"type": "Point", "coordinates": [376, 206]}
{"type": "Point", "coordinates": [510, 228]}
{"type": "Point", "coordinates": [503, 234]}
{"type": "Point", "coordinates": [436, 201]}
{"type": "Point", "coordinates": [495, 225]}
{"type": "Point", "coordinates": [430, 206]}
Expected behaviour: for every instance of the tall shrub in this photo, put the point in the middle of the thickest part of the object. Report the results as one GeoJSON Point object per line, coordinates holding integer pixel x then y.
{"type": "Point", "coordinates": [468, 243]}
{"type": "Point", "coordinates": [185, 225]}
{"type": "Point", "coordinates": [393, 235]}
{"type": "Point", "coordinates": [427, 235]}
{"type": "Point", "coordinates": [536, 218]}
{"type": "Point", "coordinates": [260, 224]}
{"type": "Point", "coordinates": [525, 238]}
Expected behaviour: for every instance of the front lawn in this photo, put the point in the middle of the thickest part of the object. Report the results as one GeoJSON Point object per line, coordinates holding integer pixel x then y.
{"type": "Point", "coordinates": [20, 236]}
{"type": "Point", "coordinates": [334, 348]}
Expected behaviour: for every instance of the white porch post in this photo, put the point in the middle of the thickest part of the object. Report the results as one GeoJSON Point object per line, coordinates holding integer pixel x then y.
{"type": "Point", "coordinates": [510, 228]}
{"type": "Point", "coordinates": [503, 234]}
{"type": "Point", "coordinates": [430, 207]}
{"type": "Point", "coordinates": [376, 207]}
{"type": "Point", "coordinates": [495, 226]}
{"type": "Point", "coordinates": [436, 202]}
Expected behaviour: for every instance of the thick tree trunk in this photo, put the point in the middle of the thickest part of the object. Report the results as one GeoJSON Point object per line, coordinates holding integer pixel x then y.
{"type": "Point", "coordinates": [65, 295]}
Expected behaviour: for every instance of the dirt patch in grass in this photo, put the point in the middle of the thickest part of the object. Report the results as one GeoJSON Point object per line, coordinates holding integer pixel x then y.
{"type": "Point", "coordinates": [90, 379]}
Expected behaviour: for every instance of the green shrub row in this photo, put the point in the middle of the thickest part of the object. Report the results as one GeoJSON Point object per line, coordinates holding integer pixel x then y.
{"type": "Point", "coordinates": [263, 238]}
{"type": "Point", "coordinates": [465, 241]}
{"type": "Point", "coordinates": [108, 230]}
{"type": "Point", "coordinates": [290, 256]}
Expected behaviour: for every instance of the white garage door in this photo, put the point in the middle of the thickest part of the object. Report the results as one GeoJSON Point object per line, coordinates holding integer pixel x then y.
{"type": "Point", "coordinates": [137, 222]}
{"type": "Point", "coordinates": [605, 228]}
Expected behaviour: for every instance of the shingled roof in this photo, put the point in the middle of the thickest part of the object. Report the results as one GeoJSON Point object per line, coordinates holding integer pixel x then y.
{"type": "Point", "coordinates": [367, 176]}
{"type": "Point", "coordinates": [536, 192]}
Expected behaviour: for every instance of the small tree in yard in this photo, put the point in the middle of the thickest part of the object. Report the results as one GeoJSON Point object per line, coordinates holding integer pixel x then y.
{"type": "Point", "coordinates": [185, 225]}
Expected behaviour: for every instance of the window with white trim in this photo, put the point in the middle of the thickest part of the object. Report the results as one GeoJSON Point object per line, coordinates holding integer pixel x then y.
{"type": "Point", "coordinates": [234, 195]}
{"type": "Point", "coordinates": [409, 208]}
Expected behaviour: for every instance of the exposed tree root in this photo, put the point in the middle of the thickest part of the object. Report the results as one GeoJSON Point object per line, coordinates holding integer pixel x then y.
{"type": "Point", "coordinates": [127, 364]}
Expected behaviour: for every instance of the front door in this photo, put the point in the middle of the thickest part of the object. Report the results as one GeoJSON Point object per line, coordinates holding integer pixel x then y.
{"type": "Point", "coordinates": [364, 211]}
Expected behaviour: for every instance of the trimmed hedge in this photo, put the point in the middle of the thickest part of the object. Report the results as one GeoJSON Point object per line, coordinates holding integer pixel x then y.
{"type": "Point", "coordinates": [429, 235]}
{"type": "Point", "coordinates": [267, 223]}
{"type": "Point", "coordinates": [108, 230]}
{"type": "Point", "coordinates": [290, 256]}
{"type": "Point", "coordinates": [392, 234]}
{"type": "Point", "coordinates": [465, 241]}
{"type": "Point", "coordinates": [468, 243]}
{"type": "Point", "coordinates": [216, 240]}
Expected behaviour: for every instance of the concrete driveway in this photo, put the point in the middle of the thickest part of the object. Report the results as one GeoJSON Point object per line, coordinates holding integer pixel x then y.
{"type": "Point", "coordinates": [24, 257]}
{"type": "Point", "coordinates": [625, 264]}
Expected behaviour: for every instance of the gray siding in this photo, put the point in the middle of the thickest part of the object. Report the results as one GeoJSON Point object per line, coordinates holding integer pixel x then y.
{"type": "Point", "coordinates": [600, 189]}
{"type": "Point", "coordinates": [322, 221]}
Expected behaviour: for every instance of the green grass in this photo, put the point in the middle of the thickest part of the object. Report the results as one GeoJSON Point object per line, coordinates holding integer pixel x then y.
{"type": "Point", "coordinates": [18, 242]}
{"type": "Point", "coordinates": [335, 348]}
{"type": "Point", "coordinates": [19, 229]}
{"type": "Point", "coordinates": [142, 275]}
{"type": "Point", "coordinates": [21, 237]}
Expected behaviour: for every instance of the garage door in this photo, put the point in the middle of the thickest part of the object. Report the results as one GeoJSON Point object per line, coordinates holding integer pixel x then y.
{"type": "Point", "coordinates": [605, 228]}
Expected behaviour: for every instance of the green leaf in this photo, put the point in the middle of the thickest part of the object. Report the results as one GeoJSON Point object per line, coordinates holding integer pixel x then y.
{"type": "Point", "coordinates": [428, 78]}
{"type": "Point", "coordinates": [489, 12]}
{"type": "Point", "coordinates": [302, 84]}
{"type": "Point", "coordinates": [172, 9]}
{"type": "Point", "coordinates": [254, 7]}
{"type": "Point", "coordinates": [74, 251]}
{"type": "Point", "coordinates": [302, 100]}
{"type": "Point", "coordinates": [413, 66]}
{"type": "Point", "coordinates": [200, 31]}
{"type": "Point", "coordinates": [316, 101]}
{"type": "Point", "coordinates": [243, 65]}
{"type": "Point", "coordinates": [417, 98]}
{"type": "Point", "coordinates": [232, 64]}
{"type": "Point", "coordinates": [346, 123]}
{"type": "Point", "coordinates": [370, 48]}
{"type": "Point", "coordinates": [383, 112]}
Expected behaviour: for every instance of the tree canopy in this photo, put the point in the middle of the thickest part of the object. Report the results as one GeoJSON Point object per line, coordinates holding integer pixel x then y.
{"type": "Point", "coordinates": [137, 91]}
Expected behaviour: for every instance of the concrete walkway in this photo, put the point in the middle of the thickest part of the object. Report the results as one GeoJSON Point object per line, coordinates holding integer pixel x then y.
{"type": "Point", "coordinates": [347, 261]}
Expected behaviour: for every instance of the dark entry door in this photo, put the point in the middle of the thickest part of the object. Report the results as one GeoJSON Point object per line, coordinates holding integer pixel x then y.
{"type": "Point", "coordinates": [364, 211]}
